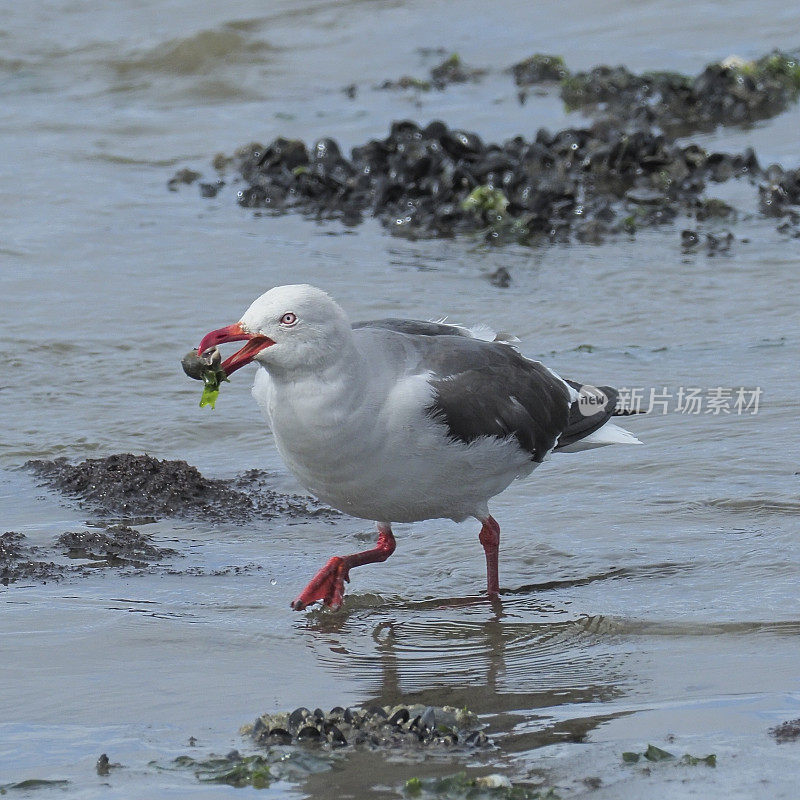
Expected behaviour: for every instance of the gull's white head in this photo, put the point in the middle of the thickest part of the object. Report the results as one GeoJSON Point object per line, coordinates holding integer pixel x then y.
{"type": "Point", "coordinates": [288, 328]}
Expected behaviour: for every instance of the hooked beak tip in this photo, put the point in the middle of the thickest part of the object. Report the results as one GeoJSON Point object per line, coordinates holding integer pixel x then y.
{"type": "Point", "coordinates": [233, 333]}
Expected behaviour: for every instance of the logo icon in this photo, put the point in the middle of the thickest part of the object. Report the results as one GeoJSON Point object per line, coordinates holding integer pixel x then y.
{"type": "Point", "coordinates": [591, 400]}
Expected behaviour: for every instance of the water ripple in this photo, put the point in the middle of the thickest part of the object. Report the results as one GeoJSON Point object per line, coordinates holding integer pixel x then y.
{"type": "Point", "coordinates": [484, 663]}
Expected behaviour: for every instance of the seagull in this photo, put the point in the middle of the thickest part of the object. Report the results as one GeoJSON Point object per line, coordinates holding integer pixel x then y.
{"type": "Point", "coordinates": [401, 420]}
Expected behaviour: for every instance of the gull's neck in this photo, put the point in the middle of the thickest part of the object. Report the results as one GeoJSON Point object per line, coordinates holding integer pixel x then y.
{"type": "Point", "coordinates": [320, 417]}
{"type": "Point", "coordinates": [344, 359]}
{"type": "Point", "coordinates": [324, 393]}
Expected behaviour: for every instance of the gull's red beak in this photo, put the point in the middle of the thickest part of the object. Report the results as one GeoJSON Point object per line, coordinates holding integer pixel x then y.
{"type": "Point", "coordinates": [235, 333]}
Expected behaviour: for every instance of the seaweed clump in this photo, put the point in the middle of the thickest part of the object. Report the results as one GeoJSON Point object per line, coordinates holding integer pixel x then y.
{"type": "Point", "coordinates": [141, 486]}
{"type": "Point", "coordinates": [451, 70]}
{"type": "Point", "coordinates": [113, 546]}
{"type": "Point", "coordinates": [256, 770]}
{"type": "Point", "coordinates": [116, 545]}
{"type": "Point", "coordinates": [20, 561]}
{"type": "Point", "coordinates": [497, 787]}
{"type": "Point", "coordinates": [655, 754]}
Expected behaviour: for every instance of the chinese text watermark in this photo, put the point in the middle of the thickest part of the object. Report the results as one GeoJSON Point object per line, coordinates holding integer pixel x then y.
{"type": "Point", "coordinates": [716, 400]}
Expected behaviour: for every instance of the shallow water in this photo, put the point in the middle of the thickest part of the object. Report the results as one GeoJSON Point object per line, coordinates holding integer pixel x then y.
{"type": "Point", "coordinates": [649, 592]}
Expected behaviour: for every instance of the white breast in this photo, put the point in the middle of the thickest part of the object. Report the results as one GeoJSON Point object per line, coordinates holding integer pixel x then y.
{"type": "Point", "coordinates": [378, 456]}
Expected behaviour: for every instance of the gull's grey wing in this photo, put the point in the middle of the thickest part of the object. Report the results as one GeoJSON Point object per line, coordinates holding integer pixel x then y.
{"type": "Point", "coordinates": [414, 327]}
{"type": "Point", "coordinates": [489, 389]}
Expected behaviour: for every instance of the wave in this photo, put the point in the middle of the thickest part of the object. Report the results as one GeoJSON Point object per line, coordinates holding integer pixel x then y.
{"type": "Point", "coordinates": [197, 54]}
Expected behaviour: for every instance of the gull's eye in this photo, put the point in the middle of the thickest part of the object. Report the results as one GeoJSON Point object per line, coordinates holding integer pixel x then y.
{"type": "Point", "coordinates": [288, 319]}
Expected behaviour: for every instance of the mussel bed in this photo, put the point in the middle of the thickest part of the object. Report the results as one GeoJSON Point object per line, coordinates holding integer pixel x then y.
{"type": "Point", "coordinates": [372, 727]}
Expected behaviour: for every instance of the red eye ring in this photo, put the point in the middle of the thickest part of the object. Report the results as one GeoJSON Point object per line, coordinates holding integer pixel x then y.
{"type": "Point", "coordinates": [289, 318]}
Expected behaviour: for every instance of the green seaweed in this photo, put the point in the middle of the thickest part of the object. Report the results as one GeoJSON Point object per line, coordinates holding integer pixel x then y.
{"type": "Point", "coordinates": [250, 771]}
{"type": "Point", "coordinates": [451, 62]}
{"type": "Point", "coordinates": [258, 770]}
{"type": "Point", "coordinates": [692, 761]}
{"type": "Point", "coordinates": [652, 753]}
{"type": "Point", "coordinates": [783, 67]}
{"type": "Point", "coordinates": [212, 379]}
{"type": "Point", "coordinates": [656, 754]}
{"type": "Point", "coordinates": [573, 91]}
{"type": "Point", "coordinates": [779, 65]}
{"type": "Point", "coordinates": [460, 785]}
{"type": "Point", "coordinates": [410, 82]}
{"type": "Point", "coordinates": [485, 198]}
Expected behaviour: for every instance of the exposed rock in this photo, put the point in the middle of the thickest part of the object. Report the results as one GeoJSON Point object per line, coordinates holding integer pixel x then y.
{"type": "Point", "coordinates": [539, 68]}
{"type": "Point", "coordinates": [453, 70]}
{"type": "Point", "coordinates": [787, 731]}
{"type": "Point", "coordinates": [501, 278]}
{"type": "Point", "coordinates": [435, 181]}
{"type": "Point", "coordinates": [182, 177]}
{"type": "Point", "coordinates": [732, 92]}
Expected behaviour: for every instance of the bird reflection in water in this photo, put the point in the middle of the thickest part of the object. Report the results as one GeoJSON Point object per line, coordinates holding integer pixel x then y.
{"type": "Point", "coordinates": [519, 668]}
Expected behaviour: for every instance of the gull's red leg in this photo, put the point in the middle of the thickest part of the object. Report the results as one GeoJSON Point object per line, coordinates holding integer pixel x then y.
{"type": "Point", "coordinates": [328, 584]}
{"type": "Point", "coordinates": [490, 539]}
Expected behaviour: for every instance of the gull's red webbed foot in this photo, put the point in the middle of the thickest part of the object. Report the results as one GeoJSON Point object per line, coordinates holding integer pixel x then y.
{"type": "Point", "coordinates": [328, 584]}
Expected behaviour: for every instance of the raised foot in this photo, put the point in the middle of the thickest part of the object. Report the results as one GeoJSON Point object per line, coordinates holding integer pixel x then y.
{"type": "Point", "coordinates": [327, 585]}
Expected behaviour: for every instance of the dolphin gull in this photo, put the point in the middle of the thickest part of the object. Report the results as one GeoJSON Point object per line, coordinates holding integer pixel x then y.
{"type": "Point", "coordinates": [396, 420]}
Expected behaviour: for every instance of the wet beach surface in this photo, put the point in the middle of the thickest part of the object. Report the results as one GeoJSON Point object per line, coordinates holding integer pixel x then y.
{"type": "Point", "coordinates": [650, 593]}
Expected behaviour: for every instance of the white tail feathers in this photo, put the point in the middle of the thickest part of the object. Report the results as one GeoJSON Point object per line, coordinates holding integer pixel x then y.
{"type": "Point", "coordinates": [608, 434]}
